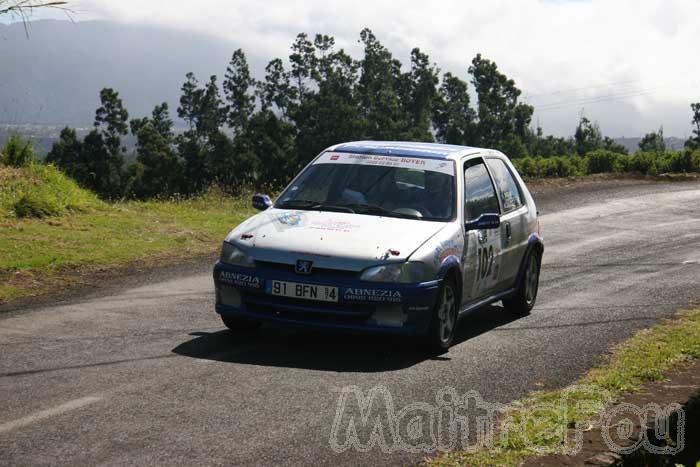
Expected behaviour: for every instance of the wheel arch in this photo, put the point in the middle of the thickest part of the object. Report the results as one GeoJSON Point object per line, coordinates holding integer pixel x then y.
{"type": "Point", "coordinates": [534, 245]}
{"type": "Point", "coordinates": [451, 269]}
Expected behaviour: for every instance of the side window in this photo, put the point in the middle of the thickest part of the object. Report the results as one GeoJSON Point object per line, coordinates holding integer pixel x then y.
{"type": "Point", "coordinates": [506, 184]}
{"type": "Point", "coordinates": [479, 195]}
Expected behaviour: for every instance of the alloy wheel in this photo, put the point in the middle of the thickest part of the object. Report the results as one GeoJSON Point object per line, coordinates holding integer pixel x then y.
{"type": "Point", "coordinates": [447, 314]}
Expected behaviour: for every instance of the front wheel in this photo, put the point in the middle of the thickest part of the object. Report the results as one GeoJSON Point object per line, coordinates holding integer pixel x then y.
{"type": "Point", "coordinates": [523, 301]}
{"type": "Point", "coordinates": [444, 322]}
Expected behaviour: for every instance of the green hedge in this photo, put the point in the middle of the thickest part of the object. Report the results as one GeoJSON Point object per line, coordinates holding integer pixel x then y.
{"type": "Point", "coordinates": [601, 161]}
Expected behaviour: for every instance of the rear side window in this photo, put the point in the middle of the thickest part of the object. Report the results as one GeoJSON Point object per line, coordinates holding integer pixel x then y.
{"type": "Point", "coordinates": [505, 183]}
{"type": "Point", "coordinates": [479, 195]}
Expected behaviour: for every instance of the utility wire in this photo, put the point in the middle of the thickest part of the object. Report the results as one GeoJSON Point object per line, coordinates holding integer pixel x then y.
{"type": "Point", "coordinates": [584, 88]}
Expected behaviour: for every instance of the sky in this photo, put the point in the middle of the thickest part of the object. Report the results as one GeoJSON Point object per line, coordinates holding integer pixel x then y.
{"type": "Point", "coordinates": [630, 65]}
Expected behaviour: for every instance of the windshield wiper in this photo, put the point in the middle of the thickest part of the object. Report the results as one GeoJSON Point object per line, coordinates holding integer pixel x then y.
{"type": "Point", "coordinates": [378, 210]}
{"type": "Point", "coordinates": [332, 207]}
{"type": "Point", "coordinates": [313, 206]}
{"type": "Point", "coordinates": [297, 204]}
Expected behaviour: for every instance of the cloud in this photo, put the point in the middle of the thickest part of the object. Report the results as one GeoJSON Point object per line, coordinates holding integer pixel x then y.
{"type": "Point", "coordinates": [628, 63]}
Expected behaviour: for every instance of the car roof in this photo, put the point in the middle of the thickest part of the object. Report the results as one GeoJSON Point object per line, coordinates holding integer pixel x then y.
{"type": "Point", "coordinates": [404, 148]}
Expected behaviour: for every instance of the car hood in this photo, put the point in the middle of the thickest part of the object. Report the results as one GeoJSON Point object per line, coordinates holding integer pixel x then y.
{"type": "Point", "coordinates": [330, 239]}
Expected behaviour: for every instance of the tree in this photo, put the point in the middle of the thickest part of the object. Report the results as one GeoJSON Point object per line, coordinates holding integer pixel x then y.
{"type": "Point", "coordinates": [66, 154]}
{"type": "Point", "coordinates": [201, 108]}
{"type": "Point", "coordinates": [274, 147]}
{"type": "Point", "coordinates": [237, 88]}
{"type": "Point", "coordinates": [503, 121]}
{"type": "Point", "coordinates": [418, 90]}
{"type": "Point", "coordinates": [378, 91]}
{"type": "Point", "coordinates": [328, 113]}
{"type": "Point", "coordinates": [162, 122]}
{"type": "Point", "coordinates": [232, 161]}
{"type": "Point", "coordinates": [161, 170]}
{"type": "Point", "coordinates": [211, 111]}
{"type": "Point", "coordinates": [189, 101]}
{"type": "Point", "coordinates": [653, 142]}
{"type": "Point", "coordinates": [204, 112]}
{"type": "Point", "coordinates": [453, 117]}
{"type": "Point", "coordinates": [103, 173]}
{"type": "Point", "coordinates": [17, 153]}
{"type": "Point", "coordinates": [303, 64]}
{"type": "Point", "coordinates": [588, 137]}
{"type": "Point", "coordinates": [112, 120]}
{"type": "Point", "coordinates": [102, 147]}
{"type": "Point", "coordinates": [694, 141]}
{"type": "Point", "coordinates": [277, 91]}
{"type": "Point", "coordinates": [548, 146]}
{"type": "Point", "coordinates": [611, 145]}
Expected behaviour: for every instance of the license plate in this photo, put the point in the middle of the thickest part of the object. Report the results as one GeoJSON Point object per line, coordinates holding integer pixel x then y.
{"type": "Point", "coordinates": [322, 293]}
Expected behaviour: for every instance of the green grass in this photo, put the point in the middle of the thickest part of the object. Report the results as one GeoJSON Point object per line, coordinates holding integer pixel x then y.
{"type": "Point", "coordinates": [84, 233]}
{"type": "Point", "coordinates": [45, 185]}
{"type": "Point", "coordinates": [538, 423]}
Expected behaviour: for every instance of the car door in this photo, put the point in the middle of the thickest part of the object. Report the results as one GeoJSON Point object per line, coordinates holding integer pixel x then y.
{"type": "Point", "coordinates": [514, 232]}
{"type": "Point", "coordinates": [482, 265]}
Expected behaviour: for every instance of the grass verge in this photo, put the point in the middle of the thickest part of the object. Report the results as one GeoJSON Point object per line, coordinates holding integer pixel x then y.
{"type": "Point", "coordinates": [71, 230]}
{"type": "Point", "coordinates": [537, 424]}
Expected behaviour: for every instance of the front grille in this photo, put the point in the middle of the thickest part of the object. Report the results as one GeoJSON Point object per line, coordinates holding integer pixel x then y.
{"type": "Point", "coordinates": [325, 273]}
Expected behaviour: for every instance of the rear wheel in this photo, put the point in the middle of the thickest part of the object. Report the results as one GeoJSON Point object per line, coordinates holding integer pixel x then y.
{"type": "Point", "coordinates": [240, 325]}
{"type": "Point", "coordinates": [525, 296]}
{"type": "Point", "coordinates": [444, 323]}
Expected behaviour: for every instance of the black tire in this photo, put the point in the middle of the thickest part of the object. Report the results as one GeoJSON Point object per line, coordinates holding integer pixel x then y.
{"type": "Point", "coordinates": [523, 300]}
{"type": "Point", "coordinates": [239, 325]}
{"type": "Point", "coordinates": [444, 320]}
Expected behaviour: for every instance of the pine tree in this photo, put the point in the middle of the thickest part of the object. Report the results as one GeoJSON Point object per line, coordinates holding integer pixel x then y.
{"type": "Point", "coordinates": [453, 117]}
{"type": "Point", "coordinates": [238, 85]}
{"type": "Point", "coordinates": [503, 121]}
{"type": "Point", "coordinates": [588, 137]}
{"type": "Point", "coordinates": [160, 168]}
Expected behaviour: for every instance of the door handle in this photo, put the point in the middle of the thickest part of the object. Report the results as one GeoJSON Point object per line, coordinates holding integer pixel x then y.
{"type": "Point", "coordinates": [508, 230]}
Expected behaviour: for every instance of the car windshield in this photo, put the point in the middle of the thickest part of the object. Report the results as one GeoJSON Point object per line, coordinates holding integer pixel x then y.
{"type": "Point", "coordinates": [390, 186]}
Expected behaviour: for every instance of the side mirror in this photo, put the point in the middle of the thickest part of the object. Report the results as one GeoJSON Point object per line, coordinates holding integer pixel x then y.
{"type": "Point", "coordinates": [261, 202]}
{"type": "Point", "coordinates": [484, 222]}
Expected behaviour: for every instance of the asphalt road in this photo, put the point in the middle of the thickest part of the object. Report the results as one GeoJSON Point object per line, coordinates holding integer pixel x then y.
{"type": "Point", "coordinates": [147, 375]}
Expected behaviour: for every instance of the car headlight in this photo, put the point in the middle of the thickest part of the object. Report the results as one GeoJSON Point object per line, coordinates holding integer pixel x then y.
{"type": "Point", "coordinates": [233, 255]}
{"type": "Point", "coordinates": [408, 272]}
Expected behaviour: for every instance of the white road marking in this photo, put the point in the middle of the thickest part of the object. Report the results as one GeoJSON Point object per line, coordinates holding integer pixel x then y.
{"type": "Point", "coordinates": [44, 414]}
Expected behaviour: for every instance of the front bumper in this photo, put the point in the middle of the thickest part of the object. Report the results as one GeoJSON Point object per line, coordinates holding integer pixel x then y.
{"type": "Point", "coordinates": [362, 306]}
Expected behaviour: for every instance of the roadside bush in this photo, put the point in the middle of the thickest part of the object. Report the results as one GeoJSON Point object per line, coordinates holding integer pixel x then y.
{"type": "Point", "coordinates": [36, 205]}
{"type": "Point", "coordinates": [17, 153]}
{"type": "Point", "coordinates": [602, 161]}
{"type": "Point", "coordinates": [40, 190]}
{"type": "Point", "coordinates": [644, 163]}
{"type": "Point", "coordinates": [682, 162]}
{"type": "Point", "coordinates": [569, 166]}
{"type": "Point", "coordinates": [541, 167]}
{"type": "Point", "coordinates": [696, 160]}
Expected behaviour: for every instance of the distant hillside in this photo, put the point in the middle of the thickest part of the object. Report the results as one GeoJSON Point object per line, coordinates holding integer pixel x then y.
{"type": "Point", "coordinates": [55, 75]}
{"type": "Point", "coordinates": [632, 144]}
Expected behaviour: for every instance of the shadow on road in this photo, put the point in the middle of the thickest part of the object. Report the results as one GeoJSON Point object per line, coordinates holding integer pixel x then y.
{"type": "Point", "coordinates": [329, 350]}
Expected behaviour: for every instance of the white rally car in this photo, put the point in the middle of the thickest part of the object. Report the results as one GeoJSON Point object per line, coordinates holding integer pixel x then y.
{"type": "Point", "coordinates": [387, 237]}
